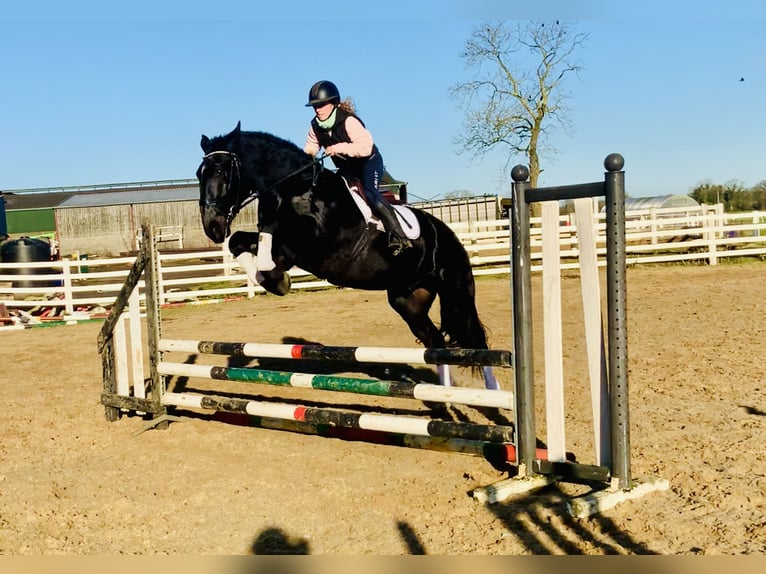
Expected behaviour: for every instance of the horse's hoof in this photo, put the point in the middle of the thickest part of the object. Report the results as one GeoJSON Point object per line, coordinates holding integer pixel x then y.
{"type": "Point", "coordinates": [284, 284]}
{"type": "Point", "coordinates": [278, 282]}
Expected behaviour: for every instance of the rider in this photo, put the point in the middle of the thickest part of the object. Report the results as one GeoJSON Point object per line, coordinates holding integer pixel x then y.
{"type": "Point", "coordinates": [336, 128]}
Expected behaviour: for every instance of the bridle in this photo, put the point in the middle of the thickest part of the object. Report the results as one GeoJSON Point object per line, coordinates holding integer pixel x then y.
{"type": "Point", "coordinates": [252, 194]}
{"type": "Point", "coordinates": [233, 171]}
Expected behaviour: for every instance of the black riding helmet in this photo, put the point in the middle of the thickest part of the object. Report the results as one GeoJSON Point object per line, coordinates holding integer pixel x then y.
{"type": "Point", "coordinates": [322, 92]}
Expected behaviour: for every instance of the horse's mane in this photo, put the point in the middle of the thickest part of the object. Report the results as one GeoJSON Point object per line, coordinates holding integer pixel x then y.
{"type": "Point", "coordinates": [272, 150]}
{"type": "Point", "coordinates": [271, 140]}
{"type": "Point", "coordinates": [256, 141]}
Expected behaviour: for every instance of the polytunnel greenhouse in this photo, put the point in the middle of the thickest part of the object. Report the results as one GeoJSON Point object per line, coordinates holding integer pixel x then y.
{"type": "Point", "coordinates": [678, 202]}
{"type": "Point", "coordinates": [660, 202]}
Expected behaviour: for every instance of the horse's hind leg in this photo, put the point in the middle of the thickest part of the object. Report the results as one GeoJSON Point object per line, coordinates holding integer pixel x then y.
{"type": "Point", "coordinates": [490, 382]}
{"type": "Point", "coordinates": [413, 308]}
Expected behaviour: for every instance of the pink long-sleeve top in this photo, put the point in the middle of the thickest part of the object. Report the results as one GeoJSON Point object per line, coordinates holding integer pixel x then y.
{"type": "Point", "coordinates": [359, 146]}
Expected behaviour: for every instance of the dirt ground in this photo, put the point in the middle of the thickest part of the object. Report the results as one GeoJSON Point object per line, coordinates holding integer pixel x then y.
{"type": "Point", "coordinates": [73, 483]}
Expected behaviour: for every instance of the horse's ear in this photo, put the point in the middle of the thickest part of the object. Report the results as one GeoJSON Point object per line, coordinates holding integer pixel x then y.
{"type": "Point", "coordinates": [234, 138]}
{"type": "Point", "coordinates": [205, 144]}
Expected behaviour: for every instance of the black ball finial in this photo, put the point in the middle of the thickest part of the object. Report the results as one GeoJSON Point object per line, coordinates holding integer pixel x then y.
{"type": "Point", "coordinates": [614, 162]}
{"type": "Point", "coordinates": [520, 173]}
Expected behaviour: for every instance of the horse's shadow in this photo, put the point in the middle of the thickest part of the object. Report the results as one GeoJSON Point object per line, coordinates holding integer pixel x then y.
{"type": "Point", "coordinates": [274, 541]}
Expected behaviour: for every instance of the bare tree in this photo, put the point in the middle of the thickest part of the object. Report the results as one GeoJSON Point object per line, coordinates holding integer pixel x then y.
{"type": "Point", "coordinates": [518, 88]}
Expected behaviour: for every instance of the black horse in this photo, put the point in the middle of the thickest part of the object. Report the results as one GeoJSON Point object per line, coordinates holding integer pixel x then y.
{"type": "Point", "coordinates": [317, 226]}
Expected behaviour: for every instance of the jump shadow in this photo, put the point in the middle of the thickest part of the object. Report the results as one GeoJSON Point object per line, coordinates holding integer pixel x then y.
{"type": "Point", "coordinates": [437, 411]}
{"type": "Point", "coordinates": [753, 411]}
{"type": "Point", "coordinates": [311, 403]}
{"type": "Point", "coordinates": [528, 519]}
{"type": "Point", "coordinates": [411, 539]}
{"type": "Point", "coordinates": [178, 383]}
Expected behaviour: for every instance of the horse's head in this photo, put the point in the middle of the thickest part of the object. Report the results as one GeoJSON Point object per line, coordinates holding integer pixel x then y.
{"type": "Point", "coordinates": [240, 166]}
{"type": "Point", "coordinates": [219, 184]}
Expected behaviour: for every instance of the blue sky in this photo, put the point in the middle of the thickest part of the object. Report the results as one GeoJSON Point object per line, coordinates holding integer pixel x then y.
{"type": "Point", "coordinates": [97, 94]}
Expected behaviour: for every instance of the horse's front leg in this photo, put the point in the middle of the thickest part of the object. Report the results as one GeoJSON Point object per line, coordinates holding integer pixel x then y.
{"type": "Point", "coordinates": [244, 246]}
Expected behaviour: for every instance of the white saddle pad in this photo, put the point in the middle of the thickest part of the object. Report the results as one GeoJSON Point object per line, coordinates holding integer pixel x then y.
{"type": "Point", "coordinates": [404, 214]}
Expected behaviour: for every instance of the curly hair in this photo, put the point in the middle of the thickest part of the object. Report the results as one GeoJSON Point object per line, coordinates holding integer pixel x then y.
{"type": "Point", "coordinates": [347, 105]}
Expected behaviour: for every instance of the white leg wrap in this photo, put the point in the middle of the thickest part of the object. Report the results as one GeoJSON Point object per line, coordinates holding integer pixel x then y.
{"type": "Point", "coordinates": [265, 262]}
{"type": "Point", "coordinates": [489, 379]}
{"type": "Point", "coordinates": [444, 375]}
{"type": "Point", "coordinates": [247, 261]}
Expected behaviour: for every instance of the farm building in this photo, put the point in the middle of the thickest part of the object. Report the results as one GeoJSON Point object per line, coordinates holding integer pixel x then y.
{"type": "Point", "coordinates": [106, 223]}
{"type": "Point", "coordinates": [102, 220]}
{"type": "Point", "coordinates": [32, 213]}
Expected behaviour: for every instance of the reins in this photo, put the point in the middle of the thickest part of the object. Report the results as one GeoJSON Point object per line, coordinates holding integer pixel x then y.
{"type": "Point", "coordinates": [255, 193]}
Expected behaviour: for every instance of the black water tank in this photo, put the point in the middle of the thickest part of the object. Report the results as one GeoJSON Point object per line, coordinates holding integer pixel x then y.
{"type": "Point", "coordinates": [28, 249]}
{"type": "Point", "coordinates": [3, 219]}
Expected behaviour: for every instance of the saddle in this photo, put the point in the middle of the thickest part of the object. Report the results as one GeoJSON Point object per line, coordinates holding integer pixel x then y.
{"type": "Point", "coordinates": [407, 219]}
{"type": "Point", "coordinates": [355, 185]}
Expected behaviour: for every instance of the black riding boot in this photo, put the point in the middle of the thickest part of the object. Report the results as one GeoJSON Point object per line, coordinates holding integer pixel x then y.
{"type": "Point", "coordinates": [397, 240]}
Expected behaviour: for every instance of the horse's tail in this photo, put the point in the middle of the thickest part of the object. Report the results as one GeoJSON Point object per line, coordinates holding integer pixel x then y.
{"type": "Point", "coordinates": [457, 293]}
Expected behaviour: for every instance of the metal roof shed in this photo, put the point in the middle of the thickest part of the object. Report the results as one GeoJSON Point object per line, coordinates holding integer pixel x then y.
{"type": "Point", "coordinates": [105, 223]}
{"type": "Point", "coordinates": [130, 197]}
